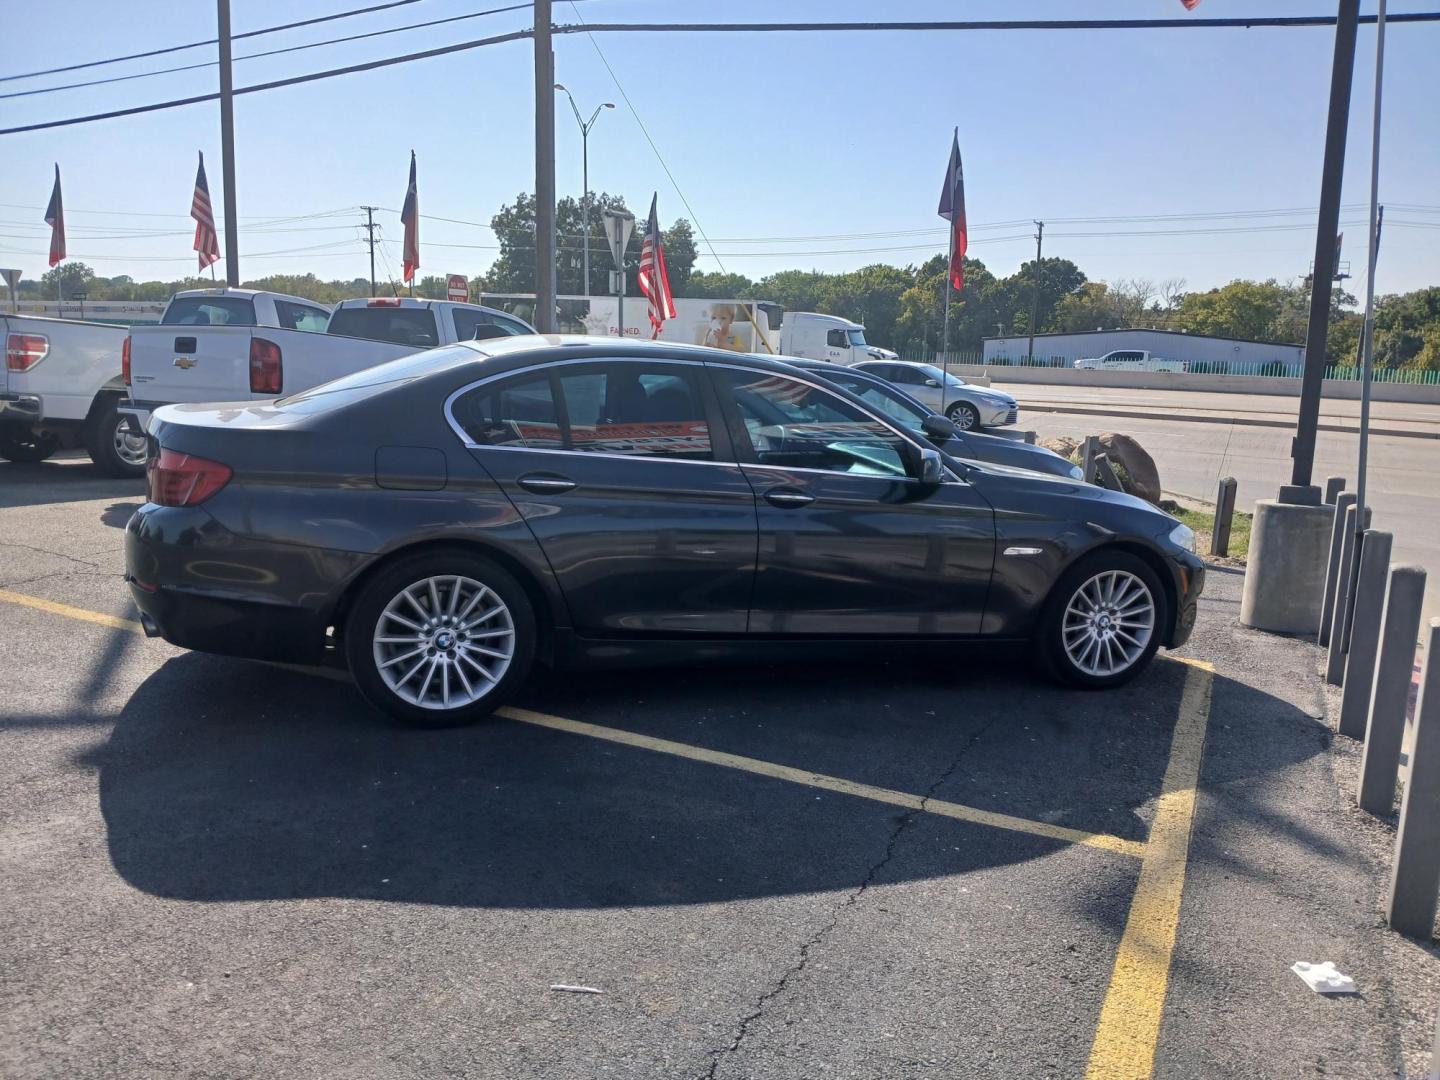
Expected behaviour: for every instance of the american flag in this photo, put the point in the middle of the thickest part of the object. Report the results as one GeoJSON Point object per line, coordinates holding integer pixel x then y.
{"type": "Point", "coordinates": [410, 218]}
{"type": "Point", "coordinates": [653, 279]}
{"type": "Point", "coordinates": [206, 242]}
{"type": "Point", "coordinates": [55, 218]}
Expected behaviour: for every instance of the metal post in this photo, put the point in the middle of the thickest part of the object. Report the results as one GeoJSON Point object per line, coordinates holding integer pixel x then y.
{"type": "Point", "coordinates": [1035, 293]}
{"type": "Point", "coordinates": [1343, 502]}
{"type": "Point", "coordinates": [1332, 173]}
{"type": "Point", "coordinates": [1385, 727]}
{"type": "Point", "coordinates": [1333, 486]}
{"type": "Point", "coordinates": [1224, 517]}
{"type": "Point", "coordinates": [1365, 633]}
{"type": "Point", "coordinates": [585, 206]}
{"type": "Point", "coordinates": [1335, 660]}
{"type": "Point", "coordinates": [1088, 449]}
{"type": "Point", "coordinates": [227, 146]}
{"type": "Point", "coordinates": [620, 304]}
{"type": "Point", "coordinates": [544, 171]}
{"type": "Point", "coordinates": [1415, 871]}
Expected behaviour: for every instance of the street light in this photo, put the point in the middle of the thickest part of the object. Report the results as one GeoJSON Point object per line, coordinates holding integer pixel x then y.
{"type": "Point", "coordinates": [585, 126]}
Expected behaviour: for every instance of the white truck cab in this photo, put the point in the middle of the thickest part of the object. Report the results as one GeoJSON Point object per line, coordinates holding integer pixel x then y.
{"type": "Point", "coordinates": [813, 336]}
{"type": "Point", "coordinates": [244, 307]}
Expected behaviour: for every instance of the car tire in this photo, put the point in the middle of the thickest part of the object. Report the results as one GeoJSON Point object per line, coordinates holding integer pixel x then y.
{"type": "Point", "coordinates": [431, 658]}
{"type": "Point", "coordinates": [114, 450]}
{"type": "Point", "coordinates": [964, 416]}
{"type": "Point", "coordinates": [1103, 621]}
{"type": "Point", "coordinates": [25, 447]}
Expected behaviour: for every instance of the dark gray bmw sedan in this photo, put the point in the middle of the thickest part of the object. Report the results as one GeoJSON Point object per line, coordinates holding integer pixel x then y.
{"type": "Point", "coordinates": [441, 522]}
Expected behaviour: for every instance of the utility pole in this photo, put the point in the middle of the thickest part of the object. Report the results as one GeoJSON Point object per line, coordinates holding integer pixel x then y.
{"type": "Point", "coordinates": [544, 172]}
{"type": "Point", "coordinates": [370, 233]}
{"type": "Point", "coordinates": [227, 146]}
{"type": "Point", "coordinates": [1035, 292]}
{"type": "Point", "coordinates": [1342, 71]}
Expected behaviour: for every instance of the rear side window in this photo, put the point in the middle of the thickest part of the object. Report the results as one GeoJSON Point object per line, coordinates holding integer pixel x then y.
{"type": "Point", "coordinates": [632, 409]}
{"type": "Point", "coordinates": [519, 412]}
{"type": "Point", "coordinates": [400, 326]}
{"type": "Point", "coordinates": [293, 316]}
{"type": "Point", "coordinates": [209, 311]}
{"type": "Point", "coordinates": [467, 321]}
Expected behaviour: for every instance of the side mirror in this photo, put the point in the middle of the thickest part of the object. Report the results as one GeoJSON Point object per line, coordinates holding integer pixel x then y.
{"type": "Point", "coordinates": [938, 427]}
{"type": "Point", "coordinates": [931, 382]}
{"type": "Point", "coordinates": [932, 469]}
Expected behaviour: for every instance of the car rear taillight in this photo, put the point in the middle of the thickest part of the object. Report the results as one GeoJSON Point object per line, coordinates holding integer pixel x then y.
{"type": "Point", "coordinates": [265, 370]}
{"type": "Point", "coordinates": [24, 351]}
{"type": "Point", "coordinates": [383, 301]}
{"type": "Point", "coordinates": [176, 479]}
{"type": "Point", "coordinates": [125, 360]}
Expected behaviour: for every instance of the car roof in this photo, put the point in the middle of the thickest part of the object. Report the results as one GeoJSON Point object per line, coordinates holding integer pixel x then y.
{"type": "Point", "coordinates": [414, 302]}
{"type": "Point", "coordinates": [246, 294]}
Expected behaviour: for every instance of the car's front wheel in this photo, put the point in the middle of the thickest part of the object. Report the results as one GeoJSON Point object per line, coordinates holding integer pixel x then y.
{"type": "Point", "coordinates": [1104, 621]}
{"type": "Point", "coordinates": [964, 416]}
{"type": "Point", "coordinates": [440, 639]}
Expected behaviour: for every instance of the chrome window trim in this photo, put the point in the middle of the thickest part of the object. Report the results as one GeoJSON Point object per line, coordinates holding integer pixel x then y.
{"type": "Point", "coordinates": [688, 365]}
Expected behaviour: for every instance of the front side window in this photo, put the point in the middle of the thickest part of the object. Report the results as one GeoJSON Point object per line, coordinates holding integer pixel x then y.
{"type": "Point", "coordinates": [836, 339]}
{"type": "Point", "coordinates": [795, 425]}
{"type": "Point", "coordinates": [631, 409]}
{"type": "Point", "coordinates": [291, 316]}
{"type": "Point", "coordinates": [909, 376]}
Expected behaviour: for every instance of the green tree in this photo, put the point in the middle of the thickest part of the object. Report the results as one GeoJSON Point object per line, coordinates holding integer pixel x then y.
{"type": "Point", "coordinates": [717, 286]}
{"type": "Point", "coordinates": [69, 277]}
{"type": "Point", "coordinates": [1403, 323]}
{"type": "Point", "coordinates": [679, 241]}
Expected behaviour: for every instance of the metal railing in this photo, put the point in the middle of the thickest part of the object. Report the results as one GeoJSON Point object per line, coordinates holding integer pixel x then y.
{"type": "Point", "coordinates": [1267, 369]}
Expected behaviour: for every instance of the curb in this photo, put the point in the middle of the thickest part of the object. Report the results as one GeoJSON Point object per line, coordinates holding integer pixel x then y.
{"type": "Point", "coordinates": [1236, 421]}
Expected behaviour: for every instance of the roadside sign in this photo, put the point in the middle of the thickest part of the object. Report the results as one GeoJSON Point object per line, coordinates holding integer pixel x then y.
{"type": "Point", "coordinates": [457, 288]}
{"type": "Point", "coordinates": [618, 226]}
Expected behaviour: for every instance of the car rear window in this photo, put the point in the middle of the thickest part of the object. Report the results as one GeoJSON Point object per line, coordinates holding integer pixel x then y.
{"type": "Point", "coordinates": [209, 311]}
{"type": "Point", "coordinates": [401, 326]}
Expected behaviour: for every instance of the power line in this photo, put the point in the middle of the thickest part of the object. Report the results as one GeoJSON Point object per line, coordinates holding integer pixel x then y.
{"type": "Point", "coordinates": [210, 41]}
{"type": "Point", "coordinates": [270, 52]}
{"type": "Point", "coordinates": [646, 132]}
{"type": "Point", "coordinates": [424, 54]}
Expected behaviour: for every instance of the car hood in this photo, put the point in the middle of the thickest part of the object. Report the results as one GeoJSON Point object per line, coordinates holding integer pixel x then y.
{"type": "Point", "coordinates": [1003, 484]}
{"type": "Point", "coordinates": [990, 450]}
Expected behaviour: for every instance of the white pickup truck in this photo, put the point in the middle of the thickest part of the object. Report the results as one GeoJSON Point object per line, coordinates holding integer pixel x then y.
{"type": "Point", "coordinates": [1130, 360]}
{"type": "Point", "coordinates": [60, 388]}
{"type": "Point", "coordinates": [185, 361]}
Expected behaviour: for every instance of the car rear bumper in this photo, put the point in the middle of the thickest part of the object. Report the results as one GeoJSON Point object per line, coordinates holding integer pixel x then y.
{"type": "Point", "coordinates": [201, 587]}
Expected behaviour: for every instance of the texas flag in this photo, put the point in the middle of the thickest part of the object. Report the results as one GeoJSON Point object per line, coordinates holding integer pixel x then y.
{"type": "Point", "coordinates": [55, 218]}
{"type": "Point", "coordinates": [410, 217]}
{"type": "Point", "coordinates": [952, 209]}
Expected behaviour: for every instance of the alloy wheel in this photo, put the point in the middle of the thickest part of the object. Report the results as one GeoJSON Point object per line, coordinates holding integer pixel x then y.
{"type": "Point", "coordinates": [1108, 623]}
{"type": "Point", "coordinates": [129, 447]}
{"type": "Point", "coordinates": [444, 642]}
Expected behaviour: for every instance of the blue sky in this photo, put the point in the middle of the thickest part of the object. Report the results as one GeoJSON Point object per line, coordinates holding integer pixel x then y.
{"type": "Point", "coordinates": [770, 136]}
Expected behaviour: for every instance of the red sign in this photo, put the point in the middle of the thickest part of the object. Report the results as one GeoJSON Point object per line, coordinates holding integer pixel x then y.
{"type": "Point", "coordinates": [457, 288]}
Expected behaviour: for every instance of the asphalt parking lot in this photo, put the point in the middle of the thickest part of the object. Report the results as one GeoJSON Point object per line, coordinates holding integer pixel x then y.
{"type": "Point", "coordinates": [211, 867]}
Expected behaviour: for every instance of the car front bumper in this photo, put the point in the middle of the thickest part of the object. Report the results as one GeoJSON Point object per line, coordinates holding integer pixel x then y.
{"type": "Point", "coordinates": [1189, 577]}
{"type": "Point", "coordinates": [999, 414]}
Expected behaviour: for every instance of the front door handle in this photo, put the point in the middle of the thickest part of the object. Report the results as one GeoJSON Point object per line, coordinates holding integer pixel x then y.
{"type": "Point", "coordinates": [546, 483]}
{"type": "Point", "coordinates": [788, 498]}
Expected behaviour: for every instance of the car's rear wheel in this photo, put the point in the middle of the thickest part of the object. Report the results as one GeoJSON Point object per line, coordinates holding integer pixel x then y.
{"type": "Point", "coordinates": [964, 416]}
{"type": "Point", "coordinates": [1103, 622]}
{"type": "Point", "coordinates": [115, 443]}
{"type": "Point", "coordinates": [26, 448]}
{"type": "Point", "coordinates": [440, 639]}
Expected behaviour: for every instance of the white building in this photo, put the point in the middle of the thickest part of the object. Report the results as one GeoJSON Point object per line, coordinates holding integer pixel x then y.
{"type": "Point", "coordinates": [1202, 352]}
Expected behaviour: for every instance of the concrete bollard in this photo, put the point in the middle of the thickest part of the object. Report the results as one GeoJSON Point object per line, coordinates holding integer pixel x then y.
{"type": "Point", "coordinates": [1385, 726]}
{"type": "Point", "coordinates": [1285, 567]}
{"type": "Point", "coordinates": [1333, 486]}
{"type": "Point", "coordinates": [1349, 572]}
{"type": "Point", "coordinates": [1332, 571]}
{"type": "Point", "coordinates": [1365, 633]}
{"type": "Point", "coordinates": [1029, 437]}
{"type": "Point", "coordinates": [1335, 659]}
{"type": "Point", "coordinates": [1224, 517]}
{"type": "Point", "coordinates": [1415, 871]}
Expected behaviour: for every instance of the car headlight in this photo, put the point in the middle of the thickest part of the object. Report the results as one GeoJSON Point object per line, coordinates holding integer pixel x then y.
{"type": "Point", "coordinates": [1183, 536]}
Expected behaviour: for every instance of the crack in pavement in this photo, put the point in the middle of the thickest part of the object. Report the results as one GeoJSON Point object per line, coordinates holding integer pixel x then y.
{"type": "Point", "coordinates": [743, 1028]}
{"type": "Point", "coordinates": [55, 554]}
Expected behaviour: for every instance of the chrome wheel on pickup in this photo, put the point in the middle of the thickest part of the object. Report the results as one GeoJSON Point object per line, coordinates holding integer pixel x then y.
{"type": "Point", "coordinates": [114, 441]}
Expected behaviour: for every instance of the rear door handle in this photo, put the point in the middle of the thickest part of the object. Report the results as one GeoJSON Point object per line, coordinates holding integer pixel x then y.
{"type": "Point", "coordinates": [546, 483]}
{"type": "Point", "coordinates": [788, 498]}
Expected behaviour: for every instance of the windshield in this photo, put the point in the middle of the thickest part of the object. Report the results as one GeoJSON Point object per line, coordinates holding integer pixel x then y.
{"type": "Point", "coordinates": [884, 399]}
{"type": "Point", "coordinates": [400, 326]}
{"type": "Point", "coordinates": [857, 338]}
{"type": "Point", "coordinates": [209, 311]}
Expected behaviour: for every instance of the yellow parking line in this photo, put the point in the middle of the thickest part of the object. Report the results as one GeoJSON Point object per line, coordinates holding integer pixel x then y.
{"type": "Point", "coordinates": [1129, 1028]}
{"type": "Point", "coordinates": [940, 807]}
{"type": "Point", "coordinates": [112, 621]}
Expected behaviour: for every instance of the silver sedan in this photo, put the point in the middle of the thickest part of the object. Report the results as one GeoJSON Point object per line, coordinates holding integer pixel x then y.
{"type": "Point", "coordinates": [970, 407]}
